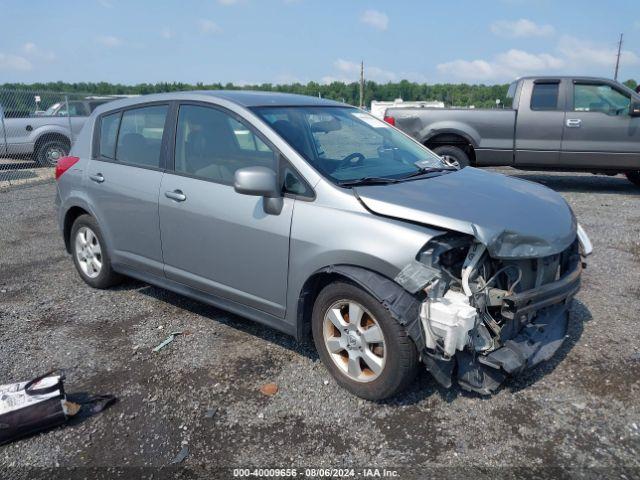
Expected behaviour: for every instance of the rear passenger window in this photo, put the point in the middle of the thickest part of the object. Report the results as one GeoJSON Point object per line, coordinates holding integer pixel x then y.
{"type": "Point", "coordinates": [212, 144]}
{"type": "Point", "coordinates": [140, 136]}
{"type": "Point", "coordinates": [108, 134]}
{"type": "Point", "coordinates": [545, 96]}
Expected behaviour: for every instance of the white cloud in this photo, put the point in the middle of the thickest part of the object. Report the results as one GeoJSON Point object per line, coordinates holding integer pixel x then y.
{"type": "Point", "coordinates": [229, 2]}
{"type": "Point", "coordinates": [521, 28]}
{"type": "Point", "coordinates": [583, 53]}
{"type": "Point", "coordinates": [14, 62]}
{"type": "Point", "coordinates": [375, 19]}
{"type": "Point", "coordinates": [105, 3]}
{"type": "Point", "coordinates": [167, 33]}
{"type": "Point", "coordinates": [208, 26]}
{"type": "Point", "coordinates": [571, 55]}
{"type": "Point", "coordinates": [110, 41]}
{"type": "Point", "coordinates": [32, 50]}
{"type": "Point", "coordinates": [507, 65]}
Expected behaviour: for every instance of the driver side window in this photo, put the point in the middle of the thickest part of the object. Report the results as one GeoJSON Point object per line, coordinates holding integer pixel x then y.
{"type": "Point", "coordinates": [600, 98]}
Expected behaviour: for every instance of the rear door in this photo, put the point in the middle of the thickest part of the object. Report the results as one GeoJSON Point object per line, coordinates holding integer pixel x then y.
{"type": "Point", "coordinates": [213, 238]}
{"type": "Point", "coordinates": [124, 181]}
{"type": "Point", "coordinates": [539, 125]}
{"type": "Point", "coordinates": [599, 132]}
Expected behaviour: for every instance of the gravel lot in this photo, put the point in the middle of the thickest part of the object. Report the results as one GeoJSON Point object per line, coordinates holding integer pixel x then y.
{"type": "Point", "coordinates": [579, 411]}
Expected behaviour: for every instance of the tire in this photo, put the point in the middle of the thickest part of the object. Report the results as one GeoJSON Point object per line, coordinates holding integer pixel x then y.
{"type": "Point", "coordinates": [634, 177]}
{"type": "Point", "coordinates": [104, 277]}
{"type": "Point", "coordinates": [50, 151]}
{"type": "Point", "coordinates": [397, 352]}
{"type": "Point", "coordinates": [458, 157]}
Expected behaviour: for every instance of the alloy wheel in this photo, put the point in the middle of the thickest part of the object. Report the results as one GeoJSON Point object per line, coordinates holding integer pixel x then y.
{"type": "Point", "coordinates": [354, 340]}
{"type": "Point", "coordinates": [88, 252]}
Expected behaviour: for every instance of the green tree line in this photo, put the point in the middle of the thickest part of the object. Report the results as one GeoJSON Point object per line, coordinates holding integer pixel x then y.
{"type": "Point", "coordinates": [451, 94]}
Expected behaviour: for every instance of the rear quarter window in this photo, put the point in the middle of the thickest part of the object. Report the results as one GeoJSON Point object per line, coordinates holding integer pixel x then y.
{"type": "Point", "coordinates": [545, 96]}
{"type": "Point", "coordinates": [108, 134]}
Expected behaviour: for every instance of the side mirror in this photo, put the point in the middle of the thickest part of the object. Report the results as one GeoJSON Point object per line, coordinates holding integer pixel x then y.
{"type": "Point", "coordinates": [261, 182]}
{"type": "Point", "coordinates": [258, 181]}
{"type": "Point", "coordinates": [634, 108]}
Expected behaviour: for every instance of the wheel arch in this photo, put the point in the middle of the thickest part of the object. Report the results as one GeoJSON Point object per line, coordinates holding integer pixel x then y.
{"type": "Point", "coordinates": [455, 139]}
{"type": "Point", "coordinates": [70, 217]}
{"type": "Point", "coordinates": [49, 136]}
{"type": "Point", "coordinates": [402, 305]}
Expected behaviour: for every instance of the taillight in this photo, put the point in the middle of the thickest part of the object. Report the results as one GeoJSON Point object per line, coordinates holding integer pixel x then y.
{"type": "Point", "coordinates": [64, 164]}
{"type": "Point", "coordinates": [390, 120]}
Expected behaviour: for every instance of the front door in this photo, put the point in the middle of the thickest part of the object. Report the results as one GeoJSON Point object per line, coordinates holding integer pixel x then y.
{"type": "Point", "coordinates": [213, 238]}
{"type": "Point", "coordinates": [599, 132]}
{"type": "Point", "coordinates": [124, 182]}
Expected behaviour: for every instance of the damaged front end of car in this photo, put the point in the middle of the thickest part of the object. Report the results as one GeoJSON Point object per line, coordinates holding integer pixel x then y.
{"type": "Point", "coordinates": [483, 318]}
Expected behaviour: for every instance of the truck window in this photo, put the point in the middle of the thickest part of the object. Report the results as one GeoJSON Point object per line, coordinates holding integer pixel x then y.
{"type": "Point", "coordinates": [545, 96]}
{"type": "Point", "coordinates": [599, 98]}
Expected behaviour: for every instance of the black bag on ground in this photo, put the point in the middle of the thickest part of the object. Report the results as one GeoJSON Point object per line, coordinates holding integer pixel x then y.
{"type": "Point", "coordinates": [30, 407]}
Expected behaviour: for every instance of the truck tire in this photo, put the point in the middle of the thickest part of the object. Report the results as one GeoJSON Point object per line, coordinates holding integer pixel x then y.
{"type": "Point", "coordinates": [50, 151]}
{"type": "Point", "coordinates": [456, 156]}
{"type": "Point", "coordinates": [634, 177]}
{"type": "Point", "coordinates": [384, 358]}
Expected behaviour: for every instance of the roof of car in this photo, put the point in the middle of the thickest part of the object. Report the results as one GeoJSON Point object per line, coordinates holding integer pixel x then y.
{"type": "Point", "coordinates": [245, 98]}
{"type": "Point", "coordinates": [252, 98]}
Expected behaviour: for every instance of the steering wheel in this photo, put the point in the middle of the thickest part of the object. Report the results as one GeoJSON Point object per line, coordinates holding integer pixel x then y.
{"type": "Point", "coordinates": [352, 160]}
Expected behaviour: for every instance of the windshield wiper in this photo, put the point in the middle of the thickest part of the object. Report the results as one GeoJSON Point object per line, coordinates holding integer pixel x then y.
{"type": "Point", "coordinates": [426, 170]}
{"type": "Point", "coordinates": [367, 181]}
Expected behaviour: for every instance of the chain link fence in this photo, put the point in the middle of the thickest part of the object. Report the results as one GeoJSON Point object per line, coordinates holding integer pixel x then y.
{"type": "Point", "coordinates": [37, 128]}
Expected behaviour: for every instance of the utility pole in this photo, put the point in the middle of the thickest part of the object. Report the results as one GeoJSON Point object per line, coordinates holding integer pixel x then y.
{"type": "Point", "coordinates": [362, 84]}
{"type": "Point", "coordinates": [615, 76]}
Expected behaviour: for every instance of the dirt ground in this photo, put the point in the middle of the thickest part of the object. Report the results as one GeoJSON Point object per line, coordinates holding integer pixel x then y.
{"type": "Point", "coordinates": [578, 414]}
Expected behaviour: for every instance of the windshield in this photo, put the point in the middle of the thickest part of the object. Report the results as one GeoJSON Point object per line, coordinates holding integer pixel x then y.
{"type": "Point", "coordinates": [52, 109]}
{"type": "Point", "coordinates": [347, 144]}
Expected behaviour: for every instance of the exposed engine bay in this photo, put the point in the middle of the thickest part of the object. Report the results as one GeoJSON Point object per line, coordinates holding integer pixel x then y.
{"type": "Point", "coordinates": [484, 318]}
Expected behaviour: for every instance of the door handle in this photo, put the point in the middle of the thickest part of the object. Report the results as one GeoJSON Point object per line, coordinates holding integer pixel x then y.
{"type": "Point", "coordinates": [176, 195]}
{"type": "Point", "coordinates": [574, 122]}
{"type": "Point", "coordinates": [98, 178]}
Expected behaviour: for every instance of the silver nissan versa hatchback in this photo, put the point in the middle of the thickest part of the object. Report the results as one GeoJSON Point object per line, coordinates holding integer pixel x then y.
{"type": "Point", "coordinates": [315, 218]}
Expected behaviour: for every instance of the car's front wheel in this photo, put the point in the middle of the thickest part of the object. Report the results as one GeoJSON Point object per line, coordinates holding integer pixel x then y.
{"type": "Point", "coordinates": [365, 349]}
{"type": "Point", "coordinates": [90, 255]}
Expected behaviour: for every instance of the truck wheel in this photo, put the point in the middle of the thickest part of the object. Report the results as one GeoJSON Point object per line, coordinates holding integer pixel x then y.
{"type": "Point", "coordinates": [50, 151]}
{"type": "Point", "coordinates": [634, 177]}
{"type": "Point", "coordinates": [454, 156]}
{"type": "Point", "coordinates": [364, 348]}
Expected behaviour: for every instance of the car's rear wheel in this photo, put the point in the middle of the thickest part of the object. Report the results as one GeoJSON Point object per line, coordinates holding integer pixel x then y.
{"type": "Point", "coordinates": [365, 349]}
{"type": "Point", "coordinates": [90, 255]}
{"type": "Point", "coordinates": [634, 177]}
{"type": "Point", "coordinates": [50, 151]}
{"type": "Point", "coordinates": [454, 156]}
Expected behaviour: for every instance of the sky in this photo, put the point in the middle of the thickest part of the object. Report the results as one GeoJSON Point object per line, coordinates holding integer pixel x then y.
{"type": "Point", "coordinates": [285, 41]}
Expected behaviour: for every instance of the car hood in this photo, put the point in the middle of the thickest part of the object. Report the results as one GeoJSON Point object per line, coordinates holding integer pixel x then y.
{"type": "Point", "coordinates": [513, 218]}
